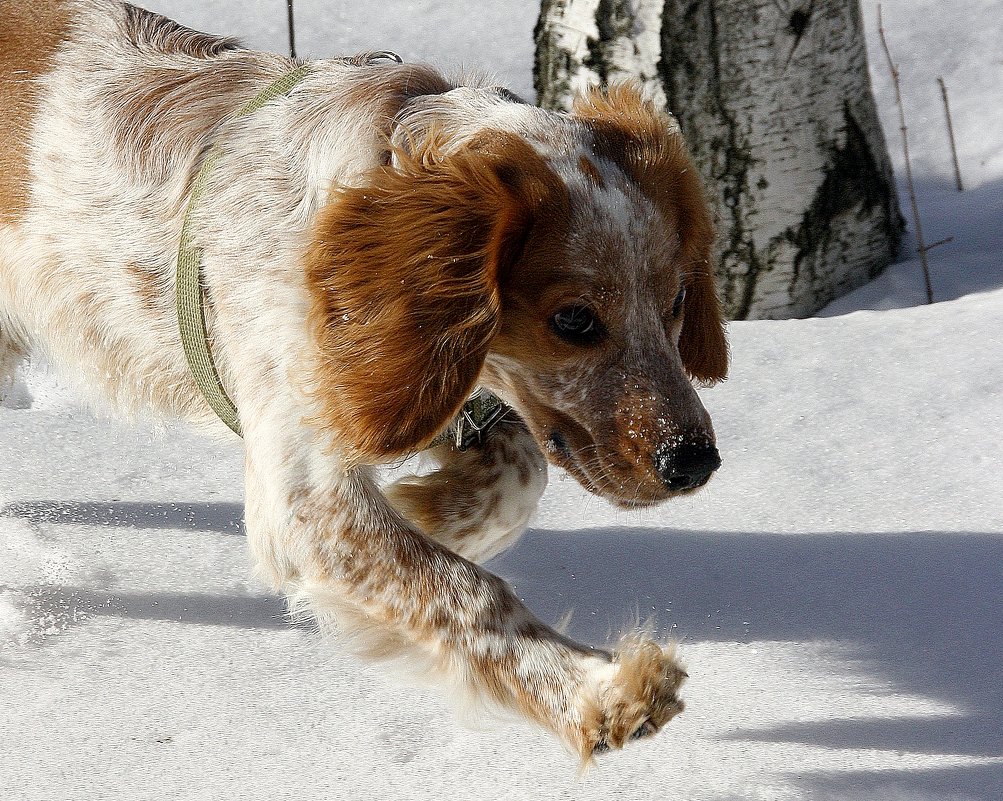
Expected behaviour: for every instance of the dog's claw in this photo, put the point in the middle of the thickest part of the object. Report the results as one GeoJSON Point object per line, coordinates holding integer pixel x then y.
{"type": "Point", "coordinates": [646, 729]}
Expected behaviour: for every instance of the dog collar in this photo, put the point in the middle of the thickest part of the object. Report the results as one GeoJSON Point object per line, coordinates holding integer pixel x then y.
{"type": "Point", "coordinates": [482, 411]}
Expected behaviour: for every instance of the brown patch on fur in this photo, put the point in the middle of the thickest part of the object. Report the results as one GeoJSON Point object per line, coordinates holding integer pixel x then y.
{"type": "Point", "coordinates": [30, 35]}
{"type": "Point", "coordinates": [147, 284]}
{"type": "Point", "coordinates": [587, 166]}
{"type": "Point", "coordinates": [648, 145]}
{"type": "Point", "coordinates": [404, 274]}
{"type": "Point", "coordinates": [152, 31]}
{"type": "Point", "coordinates": [431, 501]}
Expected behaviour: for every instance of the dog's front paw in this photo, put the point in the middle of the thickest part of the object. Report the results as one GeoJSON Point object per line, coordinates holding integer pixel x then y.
{"type": "Point", "coordinates": [638, 695]}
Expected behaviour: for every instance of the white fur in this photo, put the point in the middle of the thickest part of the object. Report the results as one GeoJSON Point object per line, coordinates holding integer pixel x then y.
{"type": "Point", "coordinates": [87, 277]}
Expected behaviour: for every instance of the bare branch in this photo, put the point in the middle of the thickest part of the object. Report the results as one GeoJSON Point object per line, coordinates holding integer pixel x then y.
{"type": "Point", "coordinates": [938, 243]}
{"type": "Point", "coordinates": [292, 29]}
{"type": "Point", "coordinates": [950, 135]}
{"type": "Point", "coordinates": [921, 245]}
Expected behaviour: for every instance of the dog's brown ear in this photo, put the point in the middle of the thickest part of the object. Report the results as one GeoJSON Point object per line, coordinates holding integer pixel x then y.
{"type": "Point", "coordinates": [648, 145]}
{"type": "Point", "coordinates": [404, 276]}
{"type": "Point", "coordinates": [703, 345]}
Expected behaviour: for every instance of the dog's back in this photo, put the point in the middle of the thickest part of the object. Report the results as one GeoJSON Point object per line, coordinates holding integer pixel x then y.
{"type": "Point", "coordinates": [114, 108]}
{"type": "Point", "coordinates": [80, 205]}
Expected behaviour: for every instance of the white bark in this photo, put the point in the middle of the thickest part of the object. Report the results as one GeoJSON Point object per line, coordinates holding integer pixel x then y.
{"type": "Point", "coordinates": [774, 99]}
{"type": "Point", "coordinates": [599, 42]}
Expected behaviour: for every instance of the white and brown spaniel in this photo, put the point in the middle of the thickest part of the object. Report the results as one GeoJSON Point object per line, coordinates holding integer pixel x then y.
{"type": "Point", "coordinates": [374, 243]}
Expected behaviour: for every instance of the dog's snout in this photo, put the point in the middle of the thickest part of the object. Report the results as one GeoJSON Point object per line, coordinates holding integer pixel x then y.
{"type": "Point", "coordinates": [687, 465]}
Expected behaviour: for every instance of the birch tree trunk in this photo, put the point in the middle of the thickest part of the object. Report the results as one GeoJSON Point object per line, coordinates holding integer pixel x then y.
{"type": "Point", "coordinates": [774, 99]}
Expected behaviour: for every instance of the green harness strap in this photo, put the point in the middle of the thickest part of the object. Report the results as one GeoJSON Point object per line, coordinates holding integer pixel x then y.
{"type": "Point", "coordinates": [190, 293]}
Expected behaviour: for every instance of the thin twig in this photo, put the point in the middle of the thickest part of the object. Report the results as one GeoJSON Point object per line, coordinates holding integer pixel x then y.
{"type": "Point", "coordinates": [921, 245]}
{"type": "Point", "coordinates": [946, 240]}
{"type": "Point", "coordinates": [292, 30]}
{"type": "Point", "coordinates": [950, 135]}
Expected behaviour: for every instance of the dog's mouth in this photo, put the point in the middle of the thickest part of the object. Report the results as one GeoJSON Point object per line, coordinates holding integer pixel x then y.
{"type": "Point", "coordinates": [634, 451]}
{"type": "Point", "coordinates": [629, 477]}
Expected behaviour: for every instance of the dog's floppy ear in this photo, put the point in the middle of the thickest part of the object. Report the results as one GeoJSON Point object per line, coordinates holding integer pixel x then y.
{"type": "Point", "coordinates": [404, 276]}
{"type": "Point", "coordinates": [649, 147]}
{"type": "Point", "coordinates": [703, 345]}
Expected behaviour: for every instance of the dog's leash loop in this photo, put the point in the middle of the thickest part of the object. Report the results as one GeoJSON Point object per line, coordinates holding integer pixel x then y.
{"type": "Point", "coordinates": [383, 55]}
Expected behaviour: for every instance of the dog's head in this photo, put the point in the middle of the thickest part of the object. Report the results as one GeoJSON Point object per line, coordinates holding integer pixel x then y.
{"type": "Point", "coordinates": [562, 261]}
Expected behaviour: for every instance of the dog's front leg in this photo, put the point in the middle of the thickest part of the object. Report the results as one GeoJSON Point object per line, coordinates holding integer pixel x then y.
{"type": "Point", "coordinates": [478, 501]}
{"type": "Point", "coordinates": [330, 539]}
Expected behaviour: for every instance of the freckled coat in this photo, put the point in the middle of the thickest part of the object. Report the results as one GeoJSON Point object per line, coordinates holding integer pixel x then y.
{"type": "Point", "coordinates": [376, 242]}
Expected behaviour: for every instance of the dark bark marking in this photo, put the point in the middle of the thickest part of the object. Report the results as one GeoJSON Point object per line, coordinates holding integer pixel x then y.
{"type": "Point", "coordinates": [853, 181]}
{"type": "Point", "coordinates": [797, 26]}
{"type": "Point", "coordinates": [614, 20]}
{"type": "Point", "coordinates": [552, 65]}
{"type": "Point", "coordinates": [728, 146]}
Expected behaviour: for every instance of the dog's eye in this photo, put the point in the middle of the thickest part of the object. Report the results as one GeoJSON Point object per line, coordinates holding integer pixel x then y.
{"type": "Point", "coordinates": [577, 325]}
{"type": "Point", "coordinates": [677, 304]}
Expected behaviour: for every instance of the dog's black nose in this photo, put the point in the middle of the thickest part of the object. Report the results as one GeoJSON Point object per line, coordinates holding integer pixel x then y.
{"type": "Point", "coordinates": [687, 465]}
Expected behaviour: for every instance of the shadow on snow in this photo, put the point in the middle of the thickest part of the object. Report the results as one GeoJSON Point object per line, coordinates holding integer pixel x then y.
{"type": "Point", "coordinates": [923, 611]}
{"type": "Point", "coordinates": [223, 518]}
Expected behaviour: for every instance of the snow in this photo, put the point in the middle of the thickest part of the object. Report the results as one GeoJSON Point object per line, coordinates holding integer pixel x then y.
{"type": "Point", "coordinates": [836, 591]}
{"type": "Point", "coordinates": [958, 41]}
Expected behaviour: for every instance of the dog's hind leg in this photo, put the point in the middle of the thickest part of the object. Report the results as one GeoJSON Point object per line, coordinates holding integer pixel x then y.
{"type": "Point", "coordinates": [12, 353]}
{"type": "Point", "coordinates": [478, 502]}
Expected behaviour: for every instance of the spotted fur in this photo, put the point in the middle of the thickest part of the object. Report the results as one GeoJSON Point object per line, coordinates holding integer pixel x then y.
{"type": "Point", "coordinates": [375, 244]}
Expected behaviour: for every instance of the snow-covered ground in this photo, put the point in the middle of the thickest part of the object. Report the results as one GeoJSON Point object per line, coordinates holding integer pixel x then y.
{"type": "Point", "coordinates": [837, 590]}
